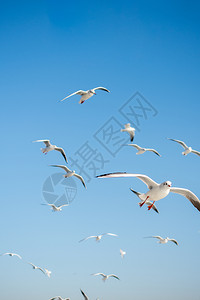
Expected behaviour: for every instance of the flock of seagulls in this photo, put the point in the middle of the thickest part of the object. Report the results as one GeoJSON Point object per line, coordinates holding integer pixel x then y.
{"type": "Point", "coordinates": [156, 191]}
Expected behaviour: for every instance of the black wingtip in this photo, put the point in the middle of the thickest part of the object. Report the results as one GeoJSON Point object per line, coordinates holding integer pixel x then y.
{"type": "Point", "coordinates": [99, 176]}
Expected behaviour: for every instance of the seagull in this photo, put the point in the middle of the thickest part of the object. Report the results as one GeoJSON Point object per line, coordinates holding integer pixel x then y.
{"type": "Point", "coordinates": [86, 94]}
{"type": "Point", "coordinates": [164, 240]}
{"type": "Point", "coordinates": [130, 130]}
{"type": "Point", "coordinates": [156, 191]}
{"type": "Point", "coordinates": [70, 173]}
{"type": "Point", "coordinates": [12, 254]}
{"type": "Point", "coordinates": [105, 277]}
{"type": "Point", "coordinates": [50, 147]}
{"type": "Point", "coordinates": [142, 150]}
{"type": "Point", "coordinates": [187, 149]}
{"type": "Point", "coordinates": [54, 207]}
{"type": "Point", "coordinates": [97, 237]}
{"type": "Point", "coordinates": [37, 268]}
{"type": "Point", "coordinates": [58, 298]}
{"type": "Point", "coordinates": [147, 202]}
{"type": "Point", "coordinates": [122, 253]}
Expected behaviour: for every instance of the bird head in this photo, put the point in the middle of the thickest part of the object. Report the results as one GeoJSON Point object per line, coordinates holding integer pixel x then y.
{"type": "Point", "coordinates": [167, 184]}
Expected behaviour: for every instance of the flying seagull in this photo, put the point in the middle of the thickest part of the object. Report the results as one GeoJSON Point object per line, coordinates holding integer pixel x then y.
{"type": "Point", "coordinates": [186, 148]}
{"type": "Point", "coordinates": [97, 237]}
{"type": "Point", "coordinates": [105, 277]}
{"type": "Point", "coordinates": [130, 130]}
{"type": "Point", "coordinates": [163, 240]}
{"type": "Point", "coordinates": [12, 254]}
{"type": "Point", "coordinates": [147, 201]}
{"type": "Point", "coordinates": [156, 191]}
{"type": "Point", "coordinates": [54, 207]}
{"type": "Point", "coordinates": [86, 94]}
{"type": "Point", "coordinates": [37, 268]}
{"type": "Point", "coordinates": [141, 150]}
{"type": "Point", "coordinates": [50, 147]}
{"type": "Point", "coordinates": [70, 173]}
{"type": "Point", "coordinates": [122, 253]}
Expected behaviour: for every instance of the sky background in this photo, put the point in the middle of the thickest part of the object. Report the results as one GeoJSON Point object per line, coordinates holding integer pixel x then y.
{"type": "Point", "coordinates": [50, 49]}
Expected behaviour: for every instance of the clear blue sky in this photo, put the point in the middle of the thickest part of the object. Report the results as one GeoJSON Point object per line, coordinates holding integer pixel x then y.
{"type": "Point", "coordinates": [50, 49]}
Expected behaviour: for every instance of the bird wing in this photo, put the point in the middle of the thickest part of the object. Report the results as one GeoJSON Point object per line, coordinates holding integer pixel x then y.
{"type": "Point", "coordinates": [196, 152]}
{"type": "Point", "coordinates": [101, 88]}
{"type": "Point", "coordinates": [136, 146]}
{"type": "Point", "coordinates": [180, 142]}
{"type": "Point", "coordinates": [63, 205]}
{"type": "Point", "coordinates": [188, 194]}
{"type": "Point", "coordinates": [99, 274]}
{"type": "Point", "coordinates": [87, 238]}
{"type": "Point", "coordinates": [81, 178]}
{"type": "Point", "coordinates": [173, 240]}
{"type": "Point", "coordinates": [156, 237]}
{"type": "Point", "coordinates": [80, 92]}
{"type": "Point", "coordinates": [47, 142]}
{"type": "Point", "coordinates": [32, 264]}
{"type": "Point", "coordinates": [113, 234]}
{"type": "Point", "coordinates": [84, 295]}
{"type": "Point", "coordinates": [113, 275]}
{"type": "Point", "coordinates": [62, 167]}
{"type": "Point", "coordinates": [17, 255]}
{"type": "Point", "coordinates": [154, 151]}
{"type": "Point", "coordinates": [147, 180]}
{"type": "Point", "coordinates": [43, 271]}
{"type": "Point", "coordinates": [61, 151]}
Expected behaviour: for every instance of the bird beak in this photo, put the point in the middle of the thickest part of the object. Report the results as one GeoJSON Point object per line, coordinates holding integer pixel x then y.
{"type": "Point", "coordinates": [169, 185]}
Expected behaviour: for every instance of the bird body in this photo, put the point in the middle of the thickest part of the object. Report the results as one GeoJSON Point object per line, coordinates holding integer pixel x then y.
{"type": "Point", "coordinates": [122, 253]}
{"type": "Point", "coordinates": [70, 173]}
{"type": "Point", "coordinates": [156, 191]}
{"type": "Point", "coordinates": [85, 95]}
{"type": "Point", "coordinates": [50, 147]}
{"type": "Point", "coordinates": [147, 202]}
{"type": "Point", "coordinates": [142, 150]}
{"type": "Point", "coordinates": [187, 149]}
{"type": "Point", "coordinates": [164, 240]}
{"type": "Point", "coordinates": [105, 277]}
{"type": "Point", "coordinates": [130, 130]}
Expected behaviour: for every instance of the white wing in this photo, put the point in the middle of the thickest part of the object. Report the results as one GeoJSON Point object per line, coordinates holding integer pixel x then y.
{"type": "Point", "coordinates": [154, 151]}
{"type": "Point", "coordinates": [101, 88]}
{"type": "Point", "coordinates": [180, 142]}
{"type": "Point", "coordinates": [80, 92]}
{"type": "Point", "coordinates": [62, 167]}
{"type": "Point", "coordinates": [136, 146]}
{"type": "Point", "coordinates": [84, 295]}
{"type": "Point", "coordinates": [113, 234]}
{"type": "Point", "coordinates": [63, 205]}
{"type": "Point", "coordinates": [81, 178]}
{"type": "Point", "coordinates": [113, 275]}
{"type": "Point", "coordinates": [147, 180]}
{"type": "Point", "coordinates": [99, 274]}
{"type": "Point", "coordinates": [61, 151]}
{"type": "Point", "coordinates": [188, 194]}
{"type": "Point", "coordinates": [196, 152]}
{"type": "Point", "coordinates": [173, 240]}
{"type": "Point", "coordinates": [47, 142]}
{"type": "Point", "coordinates": [87, 238]}
{"type": "Point", "coordinates": [157, 237]}
{"type": "Point", "coordinates": [32, 265]}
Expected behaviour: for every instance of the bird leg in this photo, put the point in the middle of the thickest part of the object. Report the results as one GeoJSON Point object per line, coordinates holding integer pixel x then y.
{"type": "Point", "coordinates": [150, 206]}
{"type": "Point", "coordinates": [141, 204]}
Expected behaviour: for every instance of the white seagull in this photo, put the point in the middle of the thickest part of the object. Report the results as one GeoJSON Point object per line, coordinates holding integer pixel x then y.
{"type": "Point", "coordinates": [148, 203]}
{"type": "Point", "coordinates": [130, 130]}
{"type": "Point", "coordinates": [54, 207]}
{"type": "Point", "coordinates": [50, 147]}
{"type": "Point", "coordinates": [37, 268]}
{"type": "Point", "coordinates": [70, 173]}
{"type": "Point", "coordinates": [186, 148]}
{"type": "Point", "coordinates": [156, 191]}
{"type": "Point", "coordinates": [141, 150]}
{"type": "Point", "coordinates": [12, 254]}
{"type": "Point", "coordinates": [97, 237]}
{"type": "Point", "coordinates": [122, 253]}
{"type": "Point", "coordinates": [105, 277]}
{"type": "Point", "coordinates": [86, 94]}
{"type": "Point", "coordinates": [163, 240]}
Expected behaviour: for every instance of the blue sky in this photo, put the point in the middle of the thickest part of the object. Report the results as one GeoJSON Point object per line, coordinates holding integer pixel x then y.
{"type": "Point", "coordinates": [51, 49]}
